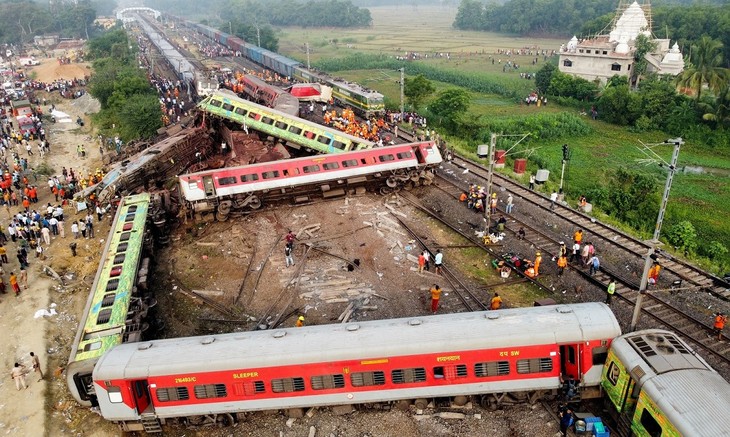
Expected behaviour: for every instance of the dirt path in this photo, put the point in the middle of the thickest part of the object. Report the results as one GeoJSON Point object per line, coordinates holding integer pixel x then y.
{"type": "Point", "coordinates": [24, 412]}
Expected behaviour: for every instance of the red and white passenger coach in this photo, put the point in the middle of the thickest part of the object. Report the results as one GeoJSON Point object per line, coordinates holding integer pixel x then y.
{"type": "Point", "coordinates": [330, 174]}
{"type": "Point", "coordinates": [480, 354]}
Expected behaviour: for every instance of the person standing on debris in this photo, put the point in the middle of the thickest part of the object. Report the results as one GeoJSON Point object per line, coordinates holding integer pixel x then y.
{"type": "Point", "coordinates": [438, 261]}
{"type": "Point", "coordinates": [719, 325]}
{"type": "Point", "coordinates": [36, 365]}
{"type": "Point", "coordinates": [576, 253]}
{"type": "Point", "coordinates": [288, 254]}
{"type": "Point", "coordinates": [532, 181]}
{"type": "Point", "coordinates": [496, 302]}
{"type": "Point", "coordinates": [75, 229]}
{"type": "Point", "coordinates": [18, 374]}
{"type": "Point", "coordinates": [300, 322]}
{"type": "Point", "coordinates": [3, 254]}
{"type": "Point", "coordinates": [290, 237]}
{"type": "Point", "coordinates": [427, 257]}
{"type": "Point", "coordinates": [566, 421]}
{"type": "Point", "coordinates": [578, 236]}
{"type": "Point", "coordinates": [435, 297]}
{"type": "Point", "coordinates": [23, 278]}
{"type": "Point", "coordinates": [610, 290]}
{"type": "Point", "coordinates": [72, 246]}
{"type": "Point", "coordinates": [421, 262]}
{"type": "Point", "coordinates": [521, 233]}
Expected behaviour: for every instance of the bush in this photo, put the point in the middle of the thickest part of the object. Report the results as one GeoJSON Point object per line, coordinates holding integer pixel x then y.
{"type": "Point", "coordinates": [683, 236]}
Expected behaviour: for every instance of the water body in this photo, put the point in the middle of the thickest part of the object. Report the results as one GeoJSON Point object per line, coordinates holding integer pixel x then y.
{"type": "Point", "coordinates": [695, 169]}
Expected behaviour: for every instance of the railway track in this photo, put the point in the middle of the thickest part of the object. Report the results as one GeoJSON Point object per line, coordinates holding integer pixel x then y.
{"type": "Point", "coordinates": [688, 273]}
{"type": "Point", "coordinates": [654, 306]}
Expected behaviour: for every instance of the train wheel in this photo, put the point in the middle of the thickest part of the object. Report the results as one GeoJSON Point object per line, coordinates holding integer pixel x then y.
{"type": "Point", "coordinates": [386, 190]}
{"type": "Point", "coordinates": [421, 404]}
{"type": "Point", "coordinates": [225, 420]}
{"type": "Point", "coordinates": [460, 400]}
{"type": "Point", "coordinates": [408, 186]}
{"type": "Point", "coordinates": [255, 202]}
{"type": "Point", "coordinates": [391, 182]}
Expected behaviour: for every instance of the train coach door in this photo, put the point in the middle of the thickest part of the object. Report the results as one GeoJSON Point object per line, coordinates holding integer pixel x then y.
{"type": "Point", "coordinates": [141, 395]}
{"type": "Point", "coordinates": [569, 361]}
{"type": "Point", "coordinates": [208, 186]}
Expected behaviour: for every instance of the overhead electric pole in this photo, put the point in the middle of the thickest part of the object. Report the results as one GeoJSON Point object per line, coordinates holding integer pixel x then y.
{"type": "Point", "coordinates": [402, 92]}
{"type": "Point", "coordinates": [657, 230]}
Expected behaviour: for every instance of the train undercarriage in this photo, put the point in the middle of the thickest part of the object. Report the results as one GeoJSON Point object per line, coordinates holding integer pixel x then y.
{"type": "Point", "coordinates": [491, 401]}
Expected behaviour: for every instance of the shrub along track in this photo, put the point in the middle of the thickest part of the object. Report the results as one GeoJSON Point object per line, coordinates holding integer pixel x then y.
{"type": "Point", "coordinates": [626, 286]}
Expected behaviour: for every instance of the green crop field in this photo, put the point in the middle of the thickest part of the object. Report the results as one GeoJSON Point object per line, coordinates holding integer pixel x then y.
{"type": "Point", "coordinates": [700, 198]}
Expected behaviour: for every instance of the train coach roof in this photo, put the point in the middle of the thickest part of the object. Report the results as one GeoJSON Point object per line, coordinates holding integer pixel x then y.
{"type": "Point", "coordinates": [373, 339]}
{"type": "Point", "coordinates": [695, 401]}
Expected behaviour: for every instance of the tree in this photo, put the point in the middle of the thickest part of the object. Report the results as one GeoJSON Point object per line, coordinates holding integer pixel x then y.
{"type": "Point", "coordinates": [417, 89]}
{"type": "Point", "coordinates": [450, 105]}
{"type": "Point", "coordinates": [543, 77]}
{"type": "Point", "coordinates": [705, 67]}
{"type": "Point", "coordinates": [644, 46]}
{"type": "Point", "coordinates": [632, 197]}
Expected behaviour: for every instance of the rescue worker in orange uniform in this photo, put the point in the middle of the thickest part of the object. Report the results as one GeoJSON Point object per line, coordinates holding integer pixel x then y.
{"type": "Point", "coordinates": [538, 261]}
{"type": "Point", "coordinates": [300, 322]}
{"type": "Point", "coordinates": [719, 325]}
{"type": "Point", "coordinates": [562, 264]}
{"type": "Point", "coordinates": [578, 236]}
{"type": "Point", "coordinates": [654, 274]}
{"type": "Point", "coordinates": [496, 302]}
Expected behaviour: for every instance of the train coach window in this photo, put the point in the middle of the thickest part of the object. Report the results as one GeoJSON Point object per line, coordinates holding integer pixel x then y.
{"type": "Point", "coordinates": [115, 394]}
{"type": "Point", "coordinates": [403, 376]}
{"type": "Point", "coordinates": [331, 166]}
{"type": "Point", "coordinates": [132, 208]}
{"type": "Point", "coordinates": [386, 158]}
{"type": "Point", "coordinates": [287, 385]}
{"type": "Point", "coordinates": [600, 354]}
{"type": "Point", "coordinates": [324, 140]}
{"type": "Point", "coordinates": [228, 107]}
{"type": "Point", "coordinates": [249, 388]}
{"type": "Point", "coordinates": [112, 284]}
{"type": "Point", "coordinates": [267, 120]}
{"type": "Point", "coordinates": [108, 300]}
{"type": "Point", "coordinates": [323, 382]}
{"type": "Point", "coordinates": [281, 125]}
{"type": "Point", "coordinates": [270, 174]}
{"type": "Point", "coordinates": [492, 368]}
{"type": "Point", "coordinates": [129, 218]}
{"type": "Point", "coordinates": [125, 236]}
{"type": "Point", "coordinates": [362, 379]}
{"type": "Point", "coordinates": [350, 163]}
{"type": "Point", "coordinates": [209, 391]}
{"type": "Point", "coordinates": [405, 155]}
{"type": "Point", "coordinates": [535, 365]}
{"type": "Point", "coordinates": [122, 247]}
{"type": "Point", "coordinates": [295, 130]}
{"type": "Point", "coordinates": [172, 394]}
{"type": "Point", "coordinates": [310, 168]}
{"type": "Point", "coordinates": [339, 145]}
{"type": "Point", "coordinates": [450, 372]}
{"type": "Point", "coordinates": [240, 111]}
{"type": "Point", "coordinates": [650, 424]}
{"type": "Point", "coordinates": [230, 180]}
{"type": "Point", "coordinates": [249, 177]}
{"type": "Point", "coordinates": [216, 103]}
{"type": "Point", "coordinates": [253, 115]}
{"type": "Point", "coordinates": [118, 259]}
{"type": "Point", "coordinates": [104, 316]}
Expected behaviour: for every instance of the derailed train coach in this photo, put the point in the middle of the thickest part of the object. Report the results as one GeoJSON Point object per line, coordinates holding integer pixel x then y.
{"type": "Point", "coordinates": [527, 354]}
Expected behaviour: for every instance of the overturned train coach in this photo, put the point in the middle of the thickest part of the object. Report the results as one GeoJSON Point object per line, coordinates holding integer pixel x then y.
{"type": "Point", "coordinates": [523, 353]}
{"type": "Point", "coordinates": [245, 188]}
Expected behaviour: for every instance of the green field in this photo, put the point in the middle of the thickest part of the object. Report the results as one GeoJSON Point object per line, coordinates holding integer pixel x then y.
{"type": "Point", "coordinates": [702, 199]}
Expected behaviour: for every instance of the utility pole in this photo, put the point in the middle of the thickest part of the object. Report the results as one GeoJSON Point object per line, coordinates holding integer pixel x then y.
{"type": "Point", "coordinates": [487, 209]}
{"type": "Point", "coordinates": [657, 230]}
{"type": "Point", "coordinates": [402, 91]}
{"type": "Point", "coordinates": [258, 35]}
{"type": "Point", "coordinates": [307, 44]}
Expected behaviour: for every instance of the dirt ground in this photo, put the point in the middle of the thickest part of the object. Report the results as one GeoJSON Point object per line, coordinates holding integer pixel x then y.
{"type": "Point", "coordinates": [50, 70]}
{"type": "Point", "coordinates": [24, 412]}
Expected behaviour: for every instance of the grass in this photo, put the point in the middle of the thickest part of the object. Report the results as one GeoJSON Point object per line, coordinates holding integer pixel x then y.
{"type": "Point", "coordinates": [702, 199]}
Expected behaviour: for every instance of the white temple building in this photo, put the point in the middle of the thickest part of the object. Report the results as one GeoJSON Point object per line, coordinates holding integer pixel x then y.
{"type": "Point", "coordinates": [604, 56]}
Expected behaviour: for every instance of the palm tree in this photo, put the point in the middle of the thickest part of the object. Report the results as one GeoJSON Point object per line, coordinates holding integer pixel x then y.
{"type": "Point", "coordinates": [705, 67]}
